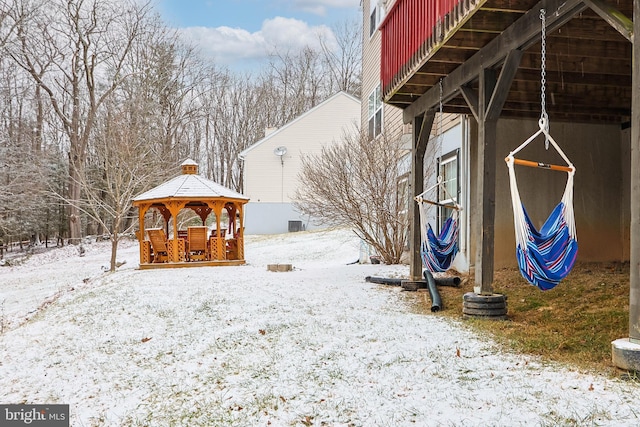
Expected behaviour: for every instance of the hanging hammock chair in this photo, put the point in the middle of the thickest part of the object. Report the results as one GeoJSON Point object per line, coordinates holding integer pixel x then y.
{"type": "Point", "coordinates": [545, 256]}
{"type": "Point", "coordinates": [438, 251]}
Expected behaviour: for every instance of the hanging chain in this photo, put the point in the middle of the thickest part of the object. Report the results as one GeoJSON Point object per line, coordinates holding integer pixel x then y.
{"type": "Point", "coordinates": [544, 118]}
{"type": "Point", "coordinates": [440, 139]}
{"type": "Point", "coordinates": [441, 110]}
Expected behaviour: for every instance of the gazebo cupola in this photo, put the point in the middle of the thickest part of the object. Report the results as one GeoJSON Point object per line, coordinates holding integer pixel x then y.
{"type": "Point", "coordinates": [189, 167]}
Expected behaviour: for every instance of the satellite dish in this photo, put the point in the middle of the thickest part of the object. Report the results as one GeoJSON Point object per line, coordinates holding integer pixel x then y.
{"type": "Point", "coordinates": [280, 151]}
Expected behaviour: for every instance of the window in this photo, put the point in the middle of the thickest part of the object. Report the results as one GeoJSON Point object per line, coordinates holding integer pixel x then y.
{"type": "Point", "coordinates": [375, 18]}
{"type": "Point", "coordinates": [404, 172]}
{"type": "Point", "coordinates": [403, 203]}
{"type": "Point", "coordinates": [448, 192]}
{"type": "Point", "coordinates": [375, 113]}
{"type": "Point", "coordinates": [373, 21]}
{"type": "Point", "coordinates": [403, 196]}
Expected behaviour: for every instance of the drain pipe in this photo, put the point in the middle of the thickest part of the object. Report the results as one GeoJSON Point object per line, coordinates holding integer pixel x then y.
{"type": "Point", "coordinates": [436, 301]}
{"type": "Point", "coordinates": [383, 281]}
{"type": "Point", "coordinates": [444, 281]}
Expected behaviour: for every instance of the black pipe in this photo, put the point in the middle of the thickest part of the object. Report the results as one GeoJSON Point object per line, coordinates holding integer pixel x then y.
{"type": "Point", "coordinates": [383, 281]}
{"type": "Point", "coordinates": [444, 281]}
{"type": "Point", "coordinates": [436, 301]}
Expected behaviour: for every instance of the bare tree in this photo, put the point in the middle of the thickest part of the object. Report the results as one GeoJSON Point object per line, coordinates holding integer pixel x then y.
{"type": "Point", "coordinates": [235, 119]}
{"type": "Point", "coordinates": [293, 83]}
{"type": "Point", "coordinates": [343, 57]}
{"type": "Point", "coordinates": [75, 50]}
{"type": "Point", "coordinates": [121, 166]}
{"type": "Point", "coordinates": [355, 183]}
{"type": "Point", "coordinates": [8, 19]}
{"type": "Point", "coordinates": [23, 209]}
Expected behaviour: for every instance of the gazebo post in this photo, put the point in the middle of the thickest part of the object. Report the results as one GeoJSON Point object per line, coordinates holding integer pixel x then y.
{"type": "Point", "coordinates": [220, 250]}
{"type": "Point", "coordinates": [176, 249]}
{"type": "Point", "coordinates": [240, 239]}
{"type": "Point", "coordinates": [145, 251]}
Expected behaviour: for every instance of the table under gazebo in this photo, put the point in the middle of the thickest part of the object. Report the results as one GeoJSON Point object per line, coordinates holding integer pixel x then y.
{"type": "Point", "coordinates": [220, 243]}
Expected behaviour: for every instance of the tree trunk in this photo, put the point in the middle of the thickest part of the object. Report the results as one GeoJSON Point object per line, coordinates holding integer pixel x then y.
{"type": "Point", "coordinates": [114, 251]}
{"type": "Point", "coordinates": [75, 223]}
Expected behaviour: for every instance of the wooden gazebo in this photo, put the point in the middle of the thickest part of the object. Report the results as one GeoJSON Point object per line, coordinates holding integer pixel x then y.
{"type": "Point", "coordinates": [201, 245]}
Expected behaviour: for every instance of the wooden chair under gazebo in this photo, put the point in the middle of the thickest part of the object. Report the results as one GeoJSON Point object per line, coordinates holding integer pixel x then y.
{"type": "Point", "coordinates": [217, 244]}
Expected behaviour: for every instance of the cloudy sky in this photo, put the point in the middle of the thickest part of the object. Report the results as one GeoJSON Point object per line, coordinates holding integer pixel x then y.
{"type": "Point", "coordinates": [240, 33]}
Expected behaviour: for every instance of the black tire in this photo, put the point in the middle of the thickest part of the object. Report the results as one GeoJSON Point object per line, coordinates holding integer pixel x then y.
{"type": "Point", "coordinates": [485, 312]}
{"type": "Point", "coordinates": [469, 316]}
{"type": "Point", "coordinates": [473, 297]}
{"type": "Point", "coordinates": [484, 305]}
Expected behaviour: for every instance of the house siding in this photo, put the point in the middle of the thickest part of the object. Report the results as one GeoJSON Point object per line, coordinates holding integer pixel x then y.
{"type": "Point", "coordinates": [271, 181]}
{"type": "Point", "coordinates": [392, 116]}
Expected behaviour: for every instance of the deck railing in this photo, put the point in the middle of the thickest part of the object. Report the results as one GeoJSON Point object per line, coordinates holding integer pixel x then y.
{"type": "Point", "coordinates": [410, 31]}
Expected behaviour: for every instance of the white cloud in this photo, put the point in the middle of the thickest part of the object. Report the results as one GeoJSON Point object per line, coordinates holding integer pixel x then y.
{"type": "Point", "coordinates": [319, 7]}
{"type": "Point", "coordinates": [224, 44]}
{"type": "Point", "coordinates": [231, 46]}
{"type": "Point", "coordinates": [292, 33]}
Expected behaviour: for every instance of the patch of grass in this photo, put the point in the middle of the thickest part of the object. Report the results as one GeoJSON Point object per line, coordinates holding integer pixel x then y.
{"type": "Point", "coordinates": [574, 323]}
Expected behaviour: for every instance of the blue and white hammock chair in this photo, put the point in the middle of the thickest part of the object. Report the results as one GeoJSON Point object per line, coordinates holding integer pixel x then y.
{"type": "Point", "coordinates": [545, 256]}
{"type": "Point", "coordinates": [438, 251]}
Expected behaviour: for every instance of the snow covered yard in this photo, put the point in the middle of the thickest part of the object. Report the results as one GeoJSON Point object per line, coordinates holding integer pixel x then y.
{"type": "Point", "coordinates": [242, 346]}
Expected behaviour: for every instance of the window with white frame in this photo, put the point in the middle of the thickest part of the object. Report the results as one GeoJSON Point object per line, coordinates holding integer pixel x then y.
{"type": "Point", "coordinates": [373, 21]}
{"type": "Point", "coordinates": [375, 113]}
{"type": "Point", "coordinates": [403, 173]}
{"type": "Point", "coordinates": [403, 196]}
{"type": "Point", "coordinates": [376, 15]}
{"type": "Point", "coordinates": [403, 201]}
{"type": "Point", "coordinates": [449, 190]}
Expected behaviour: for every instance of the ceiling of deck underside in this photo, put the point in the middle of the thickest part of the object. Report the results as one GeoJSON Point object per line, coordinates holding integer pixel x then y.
{"type": "Point", "coordinates": [588, 66]}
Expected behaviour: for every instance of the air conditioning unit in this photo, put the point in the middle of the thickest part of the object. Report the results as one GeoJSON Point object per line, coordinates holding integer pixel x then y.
{"type": "Point", "coordinates": [295, 226]}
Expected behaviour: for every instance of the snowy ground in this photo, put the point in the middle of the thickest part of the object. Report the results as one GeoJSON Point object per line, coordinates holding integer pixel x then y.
{"type": "Point", "coordinates": [242, 346]}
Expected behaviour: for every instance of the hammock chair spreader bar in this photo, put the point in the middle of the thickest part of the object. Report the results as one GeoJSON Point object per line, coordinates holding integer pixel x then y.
{"type": "Point", "coordinates": [456, 207]}
{"type": "Point", "coordinates": [540, 165]}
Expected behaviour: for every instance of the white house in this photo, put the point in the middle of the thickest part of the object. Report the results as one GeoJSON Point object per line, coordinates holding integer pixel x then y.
{"type": "Point", "coordinates": [271, 165]}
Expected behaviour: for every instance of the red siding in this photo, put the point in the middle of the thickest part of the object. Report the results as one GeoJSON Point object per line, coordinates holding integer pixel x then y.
{"type": "Point", "coordinates": [406, 27]}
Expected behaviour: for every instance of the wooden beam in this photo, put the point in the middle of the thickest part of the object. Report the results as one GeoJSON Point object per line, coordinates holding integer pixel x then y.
{"type": "Point", "coordinates": [501, 91]}
{"type": "Point", "coordinates": [421, 130]}
{"type": "Point", "coordinates": [486, 190]}
{"type": "Point", "coordinates": [634, 278]}
{"type": "Point", "coordinates": [613, 16]}
{"type": "Point", "coordinates": [471, 98]}
{"type": "Point", "coordinates": [520, 35]}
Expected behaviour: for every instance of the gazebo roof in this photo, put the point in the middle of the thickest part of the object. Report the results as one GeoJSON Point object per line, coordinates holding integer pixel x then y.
{"type": "Point", "coordinates": [189, 185]}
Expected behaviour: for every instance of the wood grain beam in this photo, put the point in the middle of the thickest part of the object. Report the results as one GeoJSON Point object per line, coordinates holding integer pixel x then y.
{"type": "Point", "coordinates": [421, 131]}
{"type": "Point", "coordinates": [613, 17]}
{"type": "Point", "coordinates": [519, 35]}
{"type": "Point", "coordinates": [501, 91]}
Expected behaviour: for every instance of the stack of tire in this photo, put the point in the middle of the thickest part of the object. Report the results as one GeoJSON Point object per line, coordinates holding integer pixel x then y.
{"type": "Point", "coordinates": [491, 307]}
